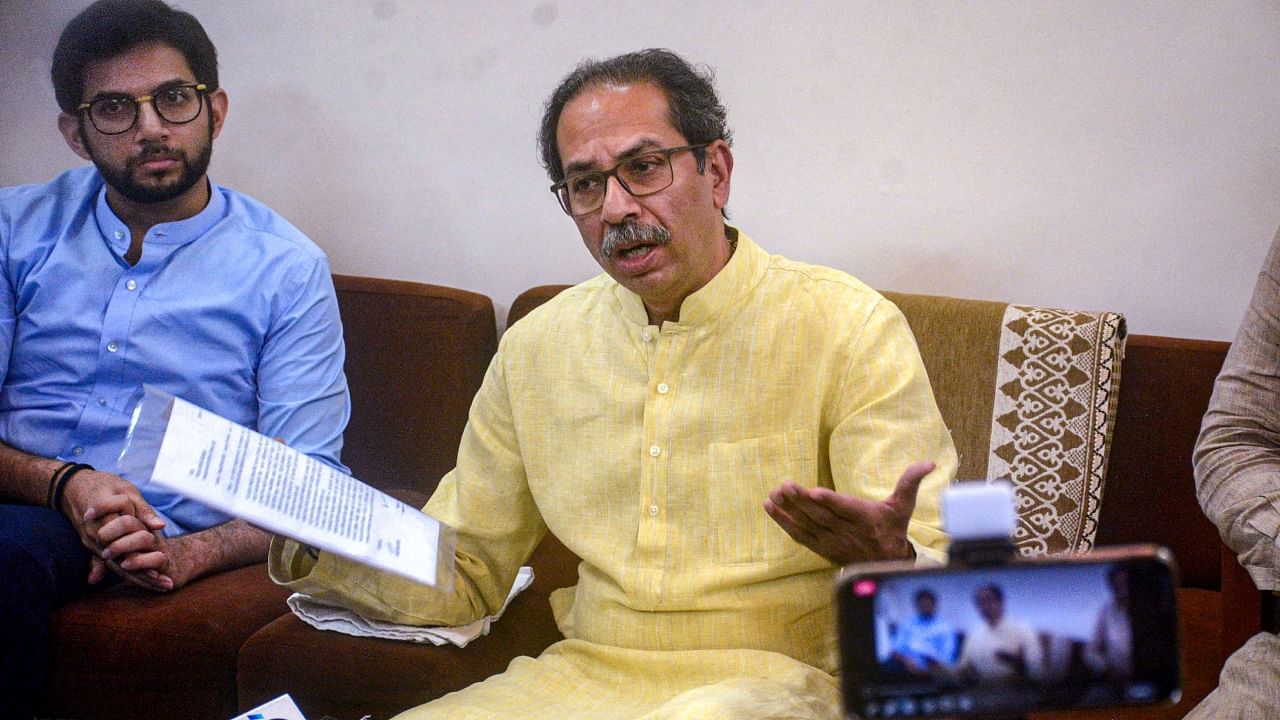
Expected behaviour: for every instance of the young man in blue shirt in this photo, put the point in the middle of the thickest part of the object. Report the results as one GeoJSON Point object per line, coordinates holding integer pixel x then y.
{"type": "Point", "coordinates": [139, 270]}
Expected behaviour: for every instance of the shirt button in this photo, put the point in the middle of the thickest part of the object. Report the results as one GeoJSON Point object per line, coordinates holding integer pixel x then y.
{"type": "Point", "coordinates": [77, 450]}
{"type": "Point", "coordinates": [662, 388]}
{"type": "Point", "coordinates": [102, 402]}
{"type": "Point", "coordinates": [646, 336]}
{"type": "Point", "coordinates": [655, 451]}
{"type": "Point", "coordinates": [132, 284]}
{"type": "Point", "coordinates": [119, 235]}
{"type": "Point", "coordinates": [113, 346]}
{"type": "Point", "coordinates": [653, 510]}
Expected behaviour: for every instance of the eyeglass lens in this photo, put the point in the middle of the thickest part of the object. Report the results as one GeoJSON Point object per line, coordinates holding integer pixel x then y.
{"type": "Point", "coordinates": [117, 113]}
{"type": "Point", "coordinates": [640, 175]}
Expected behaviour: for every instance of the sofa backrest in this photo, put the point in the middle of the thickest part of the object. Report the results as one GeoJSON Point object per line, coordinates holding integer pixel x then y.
{"type": "Point", "coordinates": [1151, 496]}
{"type": "Point", "coordinates": [1028, 393]}
{"type": "Point", "coordinates": [416, 354]}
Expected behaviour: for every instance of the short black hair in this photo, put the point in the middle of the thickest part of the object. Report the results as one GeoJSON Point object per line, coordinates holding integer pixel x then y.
{"type": "Point", "coordinates": [994, 590]}
{"type": "Point", "coordinates": [926, 593]}
{"type": "Point", "coordinates": [109, 28]}
{"type": "Point", "coordinates": [695, 110]}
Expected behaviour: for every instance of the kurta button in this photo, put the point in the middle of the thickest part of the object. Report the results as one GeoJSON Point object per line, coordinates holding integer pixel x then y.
{"type": "Point", "coordinates": [655, 451]}
{"type": "Point", "coordinates": [132, 284]}
{"type": "Point", "coordinates": [77, 450]}
{"type": "Point", "coordinates": [646, 336]}
{"type": "Point", "coordinates": [662, 388]}
{"type": "Point", "coordinates": [653, 509]}
{"type": "Point", "coordinates": [102, 402]}
{"type": "Point", "coordinates": [119, 235]}
{"type": "Point", "coordinates": [113, 346]}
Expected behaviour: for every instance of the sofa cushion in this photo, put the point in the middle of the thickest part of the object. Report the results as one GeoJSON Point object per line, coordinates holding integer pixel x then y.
{"type": "Point", "coordinates": [175, 652]}
{"type": "Point", "coordinates": [416, 354]}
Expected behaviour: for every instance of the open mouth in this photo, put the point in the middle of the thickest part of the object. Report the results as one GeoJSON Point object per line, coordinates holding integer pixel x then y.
{"type": "Point", "coordinates": [631, 244]}
{"type": "Point", "coordinates": [634, 251]}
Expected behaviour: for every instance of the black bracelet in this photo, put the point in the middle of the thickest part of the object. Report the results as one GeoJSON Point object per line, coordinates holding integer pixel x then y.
{"type": "Point", "coordinates": [53, 480]}
{"type": "Point", "coordinates": [62, 483]}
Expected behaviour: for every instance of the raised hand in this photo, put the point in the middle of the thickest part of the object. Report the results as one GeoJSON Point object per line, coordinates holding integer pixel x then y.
{"type": "Point", "coordinates": [845, 529]}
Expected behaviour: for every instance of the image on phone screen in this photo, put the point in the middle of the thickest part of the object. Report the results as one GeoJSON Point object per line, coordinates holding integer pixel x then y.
{"type": "Point", "coordinates": [1008, 639]}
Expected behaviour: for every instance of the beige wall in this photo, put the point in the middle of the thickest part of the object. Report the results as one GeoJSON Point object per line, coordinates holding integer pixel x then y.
{"type": "Point", "coordinates": [1084, 154]}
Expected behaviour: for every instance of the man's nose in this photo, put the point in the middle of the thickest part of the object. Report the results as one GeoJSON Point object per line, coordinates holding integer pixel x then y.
{"type": "Point", "coordinates": [150, 125]}
{"type": "Point", "coordinates": [618, 203]}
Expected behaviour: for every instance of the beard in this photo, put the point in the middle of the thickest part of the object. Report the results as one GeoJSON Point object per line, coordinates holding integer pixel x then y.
{"type": "Point", "coordinates": [629, 234]}
{"type": "Point", "coordinates": [125, 181]}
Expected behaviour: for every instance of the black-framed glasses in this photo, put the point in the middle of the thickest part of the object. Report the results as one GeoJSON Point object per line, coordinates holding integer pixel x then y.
{"type": "Point", "coordinates": [115, 114]}
{"type": "Point", "coordinates": [641, 174]}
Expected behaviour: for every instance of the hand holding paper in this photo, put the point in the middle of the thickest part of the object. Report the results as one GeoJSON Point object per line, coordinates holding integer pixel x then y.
{"type": "Point", "coordinates": [215, 461]}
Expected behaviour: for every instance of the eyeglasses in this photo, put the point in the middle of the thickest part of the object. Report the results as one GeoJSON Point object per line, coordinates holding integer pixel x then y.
{"type": "Point", "coordinates": [642, 174]}
{"type": "Point", "coordinates": [115, 114]}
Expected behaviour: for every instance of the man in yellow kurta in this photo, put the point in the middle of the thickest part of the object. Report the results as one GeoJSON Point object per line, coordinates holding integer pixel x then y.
{"type": "Point", "coordinates": [712, 429]}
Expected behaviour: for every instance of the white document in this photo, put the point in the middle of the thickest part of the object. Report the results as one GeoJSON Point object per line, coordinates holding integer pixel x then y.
{"type": "Point", "coordinates": [212, 460]}
{"type": "Point", "coordinates": [282, 708]}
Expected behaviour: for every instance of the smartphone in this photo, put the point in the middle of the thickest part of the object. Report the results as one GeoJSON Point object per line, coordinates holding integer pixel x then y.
{"type": "Point", "coordinates": [1098, 629]}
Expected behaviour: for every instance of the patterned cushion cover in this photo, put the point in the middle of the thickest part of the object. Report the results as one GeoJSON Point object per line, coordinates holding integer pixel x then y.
{"type": "Point", "coordinates": [1030, 395]}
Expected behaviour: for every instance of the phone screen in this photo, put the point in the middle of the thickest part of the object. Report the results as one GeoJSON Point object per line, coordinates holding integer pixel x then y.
{"type": "Point", "coordinates": [1036, 634]}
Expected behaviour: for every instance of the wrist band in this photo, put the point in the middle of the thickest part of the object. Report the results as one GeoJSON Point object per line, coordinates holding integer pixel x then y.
{"type": "Point", "coordinates": [62, 483]}
{"type": "Point", "coordinates": [53, 480]}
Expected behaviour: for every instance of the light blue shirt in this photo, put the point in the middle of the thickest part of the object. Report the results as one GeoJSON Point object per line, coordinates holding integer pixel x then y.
{"type": "Point", "coordinates": [233, 310]}
{"type": "Point", "coordinates": [922, 639]}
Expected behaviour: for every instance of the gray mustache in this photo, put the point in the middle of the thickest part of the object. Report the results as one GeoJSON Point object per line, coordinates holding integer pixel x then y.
{"type": "Point", "coordinates": [616, 236]}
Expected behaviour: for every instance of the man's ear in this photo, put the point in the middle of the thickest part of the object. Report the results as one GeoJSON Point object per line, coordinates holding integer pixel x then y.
{"type": "Point", "coordinates": [719, 170]}
{"type": "Point", "coordinates": [69, 126]}
{"type": "Point", "coordinates": [218, 106]}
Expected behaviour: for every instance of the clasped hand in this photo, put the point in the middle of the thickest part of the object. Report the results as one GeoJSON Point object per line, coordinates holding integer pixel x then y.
{"type": "Point", "coordinates": [122, 531]}
{"type": "Point", "coordinates": [846, 529]}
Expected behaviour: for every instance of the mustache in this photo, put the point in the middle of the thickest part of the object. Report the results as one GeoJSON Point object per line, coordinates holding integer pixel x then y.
{"type": "Point", "coordinates": [632, 233]}
{"type": "Point", "coordinates": [155, 152]}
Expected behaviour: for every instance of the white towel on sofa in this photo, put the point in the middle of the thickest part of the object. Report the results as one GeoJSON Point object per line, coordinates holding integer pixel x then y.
{"type": "Point", "coordinates": [328, 617]}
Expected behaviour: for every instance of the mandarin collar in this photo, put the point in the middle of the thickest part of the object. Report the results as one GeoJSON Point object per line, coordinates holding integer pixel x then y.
{"type": "Point", "coordinates": [179, 232]}
{"type": "Point", "coordinates": [735, 280]}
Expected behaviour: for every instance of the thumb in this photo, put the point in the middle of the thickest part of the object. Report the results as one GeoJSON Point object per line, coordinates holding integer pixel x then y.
{"type": "Point", "coordinates": [151, 518]}
{"type": "Point", "coordinates": [97, 570]}
{"type": "Point", "coordinates": [904, 493]}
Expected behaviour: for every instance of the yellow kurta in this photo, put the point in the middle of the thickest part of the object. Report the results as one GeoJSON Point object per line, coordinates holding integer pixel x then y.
{"type": "Point", "coordinates": [649, 452]}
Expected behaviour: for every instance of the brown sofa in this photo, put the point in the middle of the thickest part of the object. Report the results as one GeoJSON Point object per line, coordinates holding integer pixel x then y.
{"type": "Point", "coordinates": [416, 354]}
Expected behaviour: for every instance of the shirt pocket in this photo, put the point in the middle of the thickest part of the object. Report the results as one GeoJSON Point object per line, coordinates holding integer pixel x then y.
{"type": "Point", "coordinates": [741, 475]}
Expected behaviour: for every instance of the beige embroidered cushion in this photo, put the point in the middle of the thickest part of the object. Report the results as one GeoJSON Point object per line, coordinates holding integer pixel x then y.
{"type": "Point", "coordinates": [1030, 395]}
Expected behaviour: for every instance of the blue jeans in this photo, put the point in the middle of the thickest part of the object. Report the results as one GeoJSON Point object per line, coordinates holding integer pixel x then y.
{"type": "Point", "coordinates": [43, 566]}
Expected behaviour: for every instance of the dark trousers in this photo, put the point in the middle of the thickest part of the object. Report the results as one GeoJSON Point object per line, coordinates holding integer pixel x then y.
{"type": "Point", "coordinates": [43, 566]}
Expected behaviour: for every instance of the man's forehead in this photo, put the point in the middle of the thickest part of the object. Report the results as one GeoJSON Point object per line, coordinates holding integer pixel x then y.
{"type": "Point", "coordinates": [606, 122]}
{"type": "Point", "coordinates": [140, 69]}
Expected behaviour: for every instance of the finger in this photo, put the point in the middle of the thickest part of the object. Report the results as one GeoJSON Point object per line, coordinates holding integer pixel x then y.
{"type": "Point", "coordinates": [143, 561]}
{"type": "Point", "coordinates": [97, 570]}
{"type": "Point", "coordinates": [119, 526]}
{"type": "Point", "coordinates": [150, 517]}
{"type": "Point", "coordinates": [150, 581]}
{"type": "Point", "coordinates": [844, 508]}
{"type": "Point", "coordinates": [800, 512]}
{"type": "Point", "coordinates": [137, 542]}
{"type": "Point", "coordinates": [809, 511]}
{"type": "Point", "coordinates": [789, 526]}
{"type": "Point", "coordinates": [118, 503]}
{"type": "Point", "coordinates": [904, 493]}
